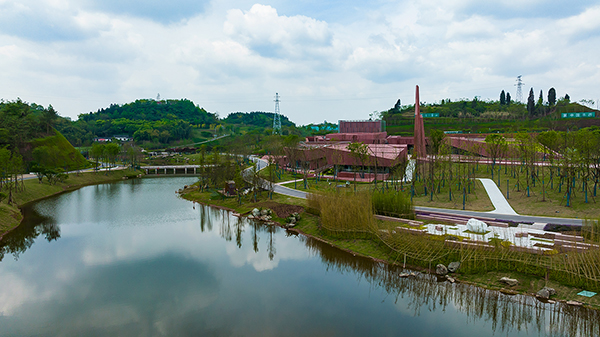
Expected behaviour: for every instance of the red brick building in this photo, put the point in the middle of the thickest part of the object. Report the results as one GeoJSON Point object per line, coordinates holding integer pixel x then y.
{"type": "Point", "coordinates": [361, 126]}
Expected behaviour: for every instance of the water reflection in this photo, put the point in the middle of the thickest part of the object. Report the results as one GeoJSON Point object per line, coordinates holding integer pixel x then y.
{"type": "Point", "coordinates": [139, 261]}
{"type": "Point", "coordinates": [505, 312]}
{"type": "Point", "coordinates": [23, 237]}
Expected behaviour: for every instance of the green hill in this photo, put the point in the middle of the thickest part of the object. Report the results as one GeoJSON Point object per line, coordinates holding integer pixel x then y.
{"type": "Point", "coordinates": [256, 118]}
{"type": "Point", "coordinates": [27, 131]}
{"type": "Point", "coordinates": [152, 110]}
{"type": "Point", "coordinates": [475, 116]}
{"type": "Point", "coordinates": [56, 151]}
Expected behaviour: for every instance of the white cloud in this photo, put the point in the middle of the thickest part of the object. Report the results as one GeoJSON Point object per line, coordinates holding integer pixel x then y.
{"type": "Point", "coordinates": [272, 35]}
{"type": "Point", "coordinates": [340, 63]}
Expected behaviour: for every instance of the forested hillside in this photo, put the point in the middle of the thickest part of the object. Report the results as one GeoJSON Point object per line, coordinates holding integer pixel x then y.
{"type": "Point", "coordinates": [152, 110]}
{"type": "Point", "coordinates": [490, 116]}
{"type": "Point", "coordinates": [29, 142]}
{"type": "Point", "coordinates": [256, 118]}
{"type": "Point", "coordinates": [162, 123]}
{"type": "Point", "coordinates": [21, 122]}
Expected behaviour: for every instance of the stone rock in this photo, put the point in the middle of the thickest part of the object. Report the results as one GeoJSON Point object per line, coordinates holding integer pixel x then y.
{"type": "Point", "coordinates": [265, 211]}
{"type": "Point", "coordinates": [450, 279]}
{"type": "Point", "coordinates": [256, 212]}
{"type": "Point", "coordinates": [546, 292]}
{"type": "Point", "coordinates": [574, 303]}
{"type": "Point", "coordinates": [403, 274]}
{"type": "Point", "coordinates": [510, 281]}
{"type": "Point", "coordinates": [543, 293]}
{"type": "Point", "coordinates": [453, 266]}
{"type": "Point", "coordinates": [477, 226]}
{"type": "Point", "coordinates": [441, 270]}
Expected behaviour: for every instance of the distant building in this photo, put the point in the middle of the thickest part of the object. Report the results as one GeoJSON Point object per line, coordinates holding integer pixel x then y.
{"type": "Point", "coordinates": [365, 126]}
{"type": "Point", "coordinates": [108, 139]}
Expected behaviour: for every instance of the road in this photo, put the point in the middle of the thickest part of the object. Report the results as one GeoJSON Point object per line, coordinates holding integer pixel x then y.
{"type": "Point", "coordinates": [501, 217]}
{"type": "Point", "coordinates": [104, 168]}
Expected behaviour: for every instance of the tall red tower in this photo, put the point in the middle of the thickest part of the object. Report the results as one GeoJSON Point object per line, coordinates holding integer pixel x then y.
{"type": "Point", "coordinates": [419, 136]}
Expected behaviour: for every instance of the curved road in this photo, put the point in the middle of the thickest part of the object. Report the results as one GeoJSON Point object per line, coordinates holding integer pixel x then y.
{"type": "Point", "coordinates": [500, 217]}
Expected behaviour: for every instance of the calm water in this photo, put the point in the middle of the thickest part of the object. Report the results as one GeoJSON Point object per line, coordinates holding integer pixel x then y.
{"type": "Point", "coordinates": [132, 259]}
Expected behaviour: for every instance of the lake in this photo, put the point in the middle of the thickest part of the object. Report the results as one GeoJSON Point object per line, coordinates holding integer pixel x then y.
{"type": "Point", "coordinates": [133, 259]}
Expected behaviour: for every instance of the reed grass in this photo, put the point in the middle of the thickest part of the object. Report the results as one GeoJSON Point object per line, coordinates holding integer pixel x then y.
{"type": "Point", "coordinates": [393, 203]}
{"type": "Point", "coordinates": [346, 214]}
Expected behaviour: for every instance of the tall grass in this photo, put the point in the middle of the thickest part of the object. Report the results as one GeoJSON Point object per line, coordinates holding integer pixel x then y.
{"type": "Point", "coordinates": [577, 269]}
{"type": "Point", "coordinates": [591, 230]}
{"type": "Point", "coordinates": [345, 214]}
{"type": "Point", "coordinates": [396, 204]}
{"type": "Point", "coordinates": [349, 215]}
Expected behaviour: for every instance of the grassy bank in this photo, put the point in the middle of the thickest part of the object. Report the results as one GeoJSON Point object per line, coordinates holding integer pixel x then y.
{"type": "Point", "coordinates": [481, 268]}
{"type": "Point", "coordinates": [10, 216]}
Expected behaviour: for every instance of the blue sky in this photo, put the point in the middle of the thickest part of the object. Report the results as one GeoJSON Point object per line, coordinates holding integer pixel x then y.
{"type": "Point", "coordinates": [328, 60]}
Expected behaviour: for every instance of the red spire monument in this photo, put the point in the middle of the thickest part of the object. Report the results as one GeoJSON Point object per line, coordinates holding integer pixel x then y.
{"type": "Point", "coordinates": [419, 136]}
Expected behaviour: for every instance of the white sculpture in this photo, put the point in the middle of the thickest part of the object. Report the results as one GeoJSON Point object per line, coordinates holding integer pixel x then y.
{"type": "Point", "coordinates": [477, 226]}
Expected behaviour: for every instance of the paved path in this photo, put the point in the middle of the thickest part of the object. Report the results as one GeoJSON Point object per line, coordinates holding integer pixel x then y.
{"type": "Point", "coordinates": [514, 217]}
{"type": "Point", "coordinates": [500, 203]}
{"type": "Point", "coordinates": [505, 217]}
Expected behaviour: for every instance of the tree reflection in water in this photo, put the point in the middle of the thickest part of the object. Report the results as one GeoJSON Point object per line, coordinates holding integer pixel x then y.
{"type": "Point", "coordinates": [504, 312]}
{"type": "Point", "coordinates": [22, 238]}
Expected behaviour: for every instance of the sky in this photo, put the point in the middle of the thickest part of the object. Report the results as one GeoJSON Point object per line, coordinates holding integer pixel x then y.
{"type": "Point", "coordinates": [328, 60]}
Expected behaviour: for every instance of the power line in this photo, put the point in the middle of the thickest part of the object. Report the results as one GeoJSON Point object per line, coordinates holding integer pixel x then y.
{"type": "Point", "coordinates": [519, 85]}
{"type": "Point", "coordinates": [276, 119]}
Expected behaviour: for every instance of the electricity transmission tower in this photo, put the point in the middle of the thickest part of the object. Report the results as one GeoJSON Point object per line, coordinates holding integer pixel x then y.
{"type": "Point", "coordinates": [276, 119]}
{"type": "Point", "coordinates": [519, 85]}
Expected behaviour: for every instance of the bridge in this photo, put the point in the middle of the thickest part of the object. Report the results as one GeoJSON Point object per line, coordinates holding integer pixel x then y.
{"type": "Point", "coordinates": [172, 169]}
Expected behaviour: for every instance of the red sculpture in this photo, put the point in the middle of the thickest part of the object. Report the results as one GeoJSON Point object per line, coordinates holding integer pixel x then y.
{"type": "Point", "coordinates": [419, 141]}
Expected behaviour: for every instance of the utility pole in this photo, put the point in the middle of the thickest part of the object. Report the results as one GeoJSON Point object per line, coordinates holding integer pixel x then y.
{"type": "Point", "coordinates": [519, 85]}
{"type": "Point", "coordinates": [276, 119]}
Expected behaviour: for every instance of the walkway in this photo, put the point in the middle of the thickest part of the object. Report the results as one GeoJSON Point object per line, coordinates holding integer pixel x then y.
{"type": "Point", "coordinates": [500, 203]}
{"type": "Point", "coordinates": [513, 217]}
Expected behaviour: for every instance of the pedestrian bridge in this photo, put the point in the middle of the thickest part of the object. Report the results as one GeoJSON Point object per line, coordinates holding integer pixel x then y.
{"type": "Point", "coordinates": [172, 169]}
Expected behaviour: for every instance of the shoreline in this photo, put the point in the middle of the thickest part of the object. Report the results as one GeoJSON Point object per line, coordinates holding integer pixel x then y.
{"type": "Point", "coordinates": [459, 278]}
{"type": "Point", "coordinates": [34, 191]}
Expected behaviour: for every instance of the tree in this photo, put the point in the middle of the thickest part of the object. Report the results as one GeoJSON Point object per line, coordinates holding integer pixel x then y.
{"type": "Point", "coordinates": [46, 162]}
{"type": "Point", "coordinates": [290, 149]}
{"type": "Point", "coordinates": [502, 98]}
{"type": "Point", "coordinates": [531, 103]}
{"type": "Point", "coordinates": [508, 98]}
{"type": "Point", "coordinates": [539, 105]}
{"type": "Point", "coordinates": [97, 152]}
{"type": "Point", "coordinates": [4, 165]}
{"type": "Point", "coordinates": [567, 98]}
{"type": "Point", "coordinates": [360, 152]}
{"type": "Point", "coordinates": [551, 97]}
{"type": "Point", "coordinates": [495, 146]}
{"type": "Point", "coordinates": [49, 116]}
{"type": "Point", "coordinates": [397, 106]}
{"type": "Point", "coordinates": [436, 137]}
